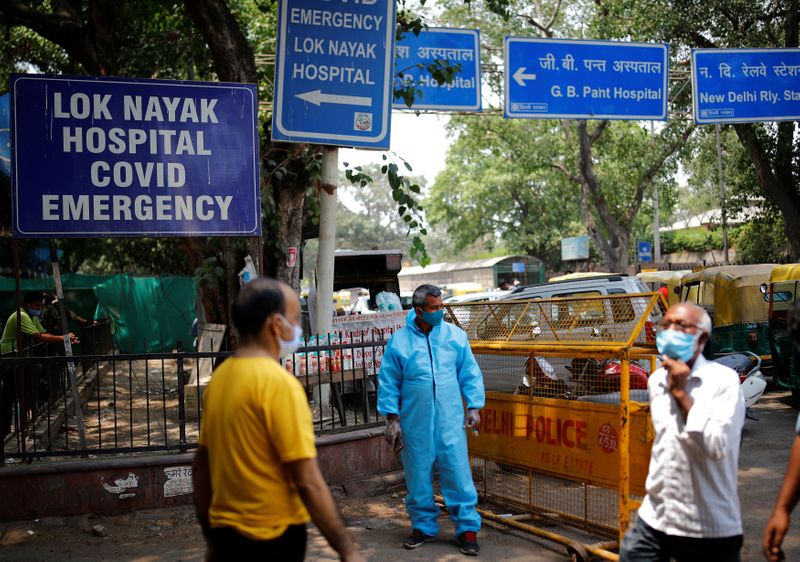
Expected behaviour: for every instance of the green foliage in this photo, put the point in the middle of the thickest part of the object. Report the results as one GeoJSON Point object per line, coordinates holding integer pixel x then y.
{"type": "Point", "coordinates": [499, 186]}
{"type": "Point", "coordinates": [691, 240]}
{"type": "Point", "coordinates": [404, 190]}
{"type": "Point", "coordinates": [762, 241]}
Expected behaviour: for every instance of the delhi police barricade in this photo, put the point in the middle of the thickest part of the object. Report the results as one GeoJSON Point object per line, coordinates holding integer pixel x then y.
{"type": "Point", "coordinates": [565, 434]}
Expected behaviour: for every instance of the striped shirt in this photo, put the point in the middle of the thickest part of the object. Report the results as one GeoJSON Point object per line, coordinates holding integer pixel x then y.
{"type": "Point", "coordinates": [692, 480]}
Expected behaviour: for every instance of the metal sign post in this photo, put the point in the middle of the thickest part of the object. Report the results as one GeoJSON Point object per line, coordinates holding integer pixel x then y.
{"type": "Point", "coordinates": [327, 239]}
{"type": "Point", "coordinates": [62, 311]}
{"type": "Point", "coordinates": [556, 78]}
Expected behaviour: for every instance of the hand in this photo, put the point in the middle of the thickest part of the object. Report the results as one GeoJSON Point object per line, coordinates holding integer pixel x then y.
{"type": "Point", "coordinates": [773, 535]}
{"type": "Point", "coordinates": [73, 338]}
{"type": "Point", "coordinates": [392, 430]}
{"type": "Point", "coordinates": [677, 375]}
{"type": "Point", "coordinates": [473, 418]}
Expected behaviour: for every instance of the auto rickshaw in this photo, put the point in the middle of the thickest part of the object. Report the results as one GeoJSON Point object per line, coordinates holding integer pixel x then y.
{"type": "Point", "coordinates": [732, 296]}
{"type": "Point", "coordinates": [781, 294]}
{"type": "Point", "coordinates": [670, 279]}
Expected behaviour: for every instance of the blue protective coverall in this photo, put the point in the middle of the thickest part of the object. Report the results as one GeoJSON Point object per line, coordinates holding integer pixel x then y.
{"type": "Point", "coordinates": [422, 379]}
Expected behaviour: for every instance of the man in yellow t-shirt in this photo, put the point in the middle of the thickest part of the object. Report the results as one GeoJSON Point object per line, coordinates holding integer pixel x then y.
{"type": "Point", "coordinates": [256, 476]}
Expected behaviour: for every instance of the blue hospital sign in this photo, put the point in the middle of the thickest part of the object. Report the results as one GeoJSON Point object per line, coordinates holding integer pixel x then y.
{"type": "Point", "coordinates": [124, 157]}
{"type": "Point", "coordinates": [457, 47]}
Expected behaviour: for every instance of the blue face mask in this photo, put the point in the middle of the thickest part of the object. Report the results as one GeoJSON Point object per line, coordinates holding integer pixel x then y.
{"type": "Point", "coordinates": [432, 318]}
{"type": "Point", "coordinates": [676, 344]}
{"type": "Point", "coordinates": [35, 311]}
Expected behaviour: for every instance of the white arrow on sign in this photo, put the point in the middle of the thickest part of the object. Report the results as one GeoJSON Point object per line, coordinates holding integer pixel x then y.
{"type": "Point", "coordinates": [317, 97]}
{"type": "Point", "coordinates": [520, 76]}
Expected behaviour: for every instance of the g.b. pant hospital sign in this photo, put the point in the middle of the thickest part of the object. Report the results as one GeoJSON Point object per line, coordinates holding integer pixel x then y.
{"type": "Point", "coordinates": [120, 157]}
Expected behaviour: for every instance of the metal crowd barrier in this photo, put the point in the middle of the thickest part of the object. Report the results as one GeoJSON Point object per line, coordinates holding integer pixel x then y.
{"type": "Point", "coordinates": [565, 435]}
{"type": "Point", "coordinates": [134, 403]}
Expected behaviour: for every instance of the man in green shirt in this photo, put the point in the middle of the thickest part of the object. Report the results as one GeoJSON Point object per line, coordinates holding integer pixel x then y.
{"type": "Point", "coordinates": [32, 329]}
{"type": "Point", "coordinates": [33, 332]}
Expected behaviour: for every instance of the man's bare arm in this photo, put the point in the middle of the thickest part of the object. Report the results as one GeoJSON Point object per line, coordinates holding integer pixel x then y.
{"type": "Point", "coordinates": [201, 480]}
{"type": "Point", "coordinates": [319, 502]}
{"type": "Point", "coordinates": [778, 524]}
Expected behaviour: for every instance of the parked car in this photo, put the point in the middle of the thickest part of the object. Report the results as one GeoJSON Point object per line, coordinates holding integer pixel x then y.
{"type": "Point", "coordinates": [576, 308]}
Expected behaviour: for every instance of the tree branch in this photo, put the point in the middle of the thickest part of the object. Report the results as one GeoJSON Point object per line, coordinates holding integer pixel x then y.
{"type": "Point", "coordinates": [652, 170]}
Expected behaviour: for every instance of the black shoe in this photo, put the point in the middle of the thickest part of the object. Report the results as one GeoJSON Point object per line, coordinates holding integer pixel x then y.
{"type": "Point", "coordinates": [417, 538]}
{"type": "Point", "coordinates": [468, 541]}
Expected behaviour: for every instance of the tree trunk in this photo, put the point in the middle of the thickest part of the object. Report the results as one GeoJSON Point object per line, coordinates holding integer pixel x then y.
{"type": "Point", "coordinates": [783, 193]}
{"type": "Point", "coordinates": [290, 202]}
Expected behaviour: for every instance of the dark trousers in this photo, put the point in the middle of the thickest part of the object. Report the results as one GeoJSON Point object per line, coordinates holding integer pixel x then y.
{"type": "Point", "coordinates": [642, 543]}
{"type": "Point", "coordinates": [227, 544]}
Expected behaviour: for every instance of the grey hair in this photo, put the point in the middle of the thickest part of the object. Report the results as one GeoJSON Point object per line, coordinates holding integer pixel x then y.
{"type": "Point", "coordinates": [704, 320]}
{"type": "Point", "coordinates": [423, 292]}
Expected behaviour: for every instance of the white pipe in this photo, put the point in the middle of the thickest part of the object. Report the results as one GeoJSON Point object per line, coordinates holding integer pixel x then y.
{"type": "Point", "coordinates": [327, 238]}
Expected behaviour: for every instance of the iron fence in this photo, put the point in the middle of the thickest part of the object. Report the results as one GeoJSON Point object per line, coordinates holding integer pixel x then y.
{"type": "Point", "coordinates": [151, 402]}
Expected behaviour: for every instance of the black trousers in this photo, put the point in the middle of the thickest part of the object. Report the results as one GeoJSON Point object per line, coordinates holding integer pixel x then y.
{"type": "Point", "coordinates": [642, 543]}
{"type": "Point", "coordinates": [227, 544]}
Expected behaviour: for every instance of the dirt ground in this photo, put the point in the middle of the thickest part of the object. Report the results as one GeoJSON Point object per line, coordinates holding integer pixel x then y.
{"type": "Point", "coordinates": [380, 523]}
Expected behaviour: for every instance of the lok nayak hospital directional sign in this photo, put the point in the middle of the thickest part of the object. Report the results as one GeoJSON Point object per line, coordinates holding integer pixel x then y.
{"type": "Point", "coordinates": [333, 72]}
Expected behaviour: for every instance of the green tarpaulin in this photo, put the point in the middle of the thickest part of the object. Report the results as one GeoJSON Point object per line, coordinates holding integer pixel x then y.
{"type": "Point", "coordinates": [148, 314]}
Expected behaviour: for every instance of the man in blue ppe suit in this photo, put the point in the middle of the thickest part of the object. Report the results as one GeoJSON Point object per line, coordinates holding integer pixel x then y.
{"type": "Point", "coordinates": [426, 369]}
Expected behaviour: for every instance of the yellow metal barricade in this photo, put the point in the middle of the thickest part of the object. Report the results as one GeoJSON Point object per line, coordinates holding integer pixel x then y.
{"type": "Point", "coordinates": [565, 433]}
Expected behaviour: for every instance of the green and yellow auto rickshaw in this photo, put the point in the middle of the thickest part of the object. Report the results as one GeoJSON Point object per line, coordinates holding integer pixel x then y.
{"type": "Point", "coordinates": [781, 294]}
{"type": "Point", "coordinates": [732, 296]}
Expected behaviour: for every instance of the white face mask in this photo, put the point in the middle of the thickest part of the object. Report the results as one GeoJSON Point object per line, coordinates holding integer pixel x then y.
{"type": "Point", "coordinates": [290, 346]}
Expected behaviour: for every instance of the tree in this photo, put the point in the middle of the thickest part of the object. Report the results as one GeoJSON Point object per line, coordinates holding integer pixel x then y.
{"type": "Point", "coordinates": [498, 182]}
{"type": "Point", "coordinates": [773, 148]}
{"type": "Point", "coordinates": [614, 166]}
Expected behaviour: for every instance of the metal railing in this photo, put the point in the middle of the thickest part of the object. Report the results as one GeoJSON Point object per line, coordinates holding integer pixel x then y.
{"type": "Point", "coordinates": [152, 402]}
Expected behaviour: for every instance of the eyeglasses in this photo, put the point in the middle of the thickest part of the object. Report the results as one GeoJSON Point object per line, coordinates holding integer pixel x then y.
{"type": "Point", "coordinates": [680, 325]}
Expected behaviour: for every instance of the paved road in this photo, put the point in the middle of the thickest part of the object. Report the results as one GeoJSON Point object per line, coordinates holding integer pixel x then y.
{"type": "Point", "coordinates": [380, 524]}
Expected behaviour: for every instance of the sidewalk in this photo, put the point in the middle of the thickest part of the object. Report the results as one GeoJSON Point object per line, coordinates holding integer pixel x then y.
{"type": "Point", "coordinates": [170, 535]}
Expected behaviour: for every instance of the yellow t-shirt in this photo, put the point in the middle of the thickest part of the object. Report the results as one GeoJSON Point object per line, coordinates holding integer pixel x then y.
{"type": "Point", "coordinates": [255, 419]}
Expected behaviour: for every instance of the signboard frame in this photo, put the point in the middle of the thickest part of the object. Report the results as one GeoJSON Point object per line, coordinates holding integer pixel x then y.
{"type": "Point", "coordinates": [575, 248]}
{"type": "Point", "coordinates": [509, 111]}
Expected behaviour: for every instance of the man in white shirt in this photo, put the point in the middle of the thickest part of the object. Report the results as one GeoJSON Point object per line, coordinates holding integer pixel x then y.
{"type": "Point", "coordinates": [691, 510]}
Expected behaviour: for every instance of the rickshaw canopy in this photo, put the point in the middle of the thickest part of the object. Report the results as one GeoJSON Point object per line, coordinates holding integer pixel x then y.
{"type": "Point", "coordinates": [785, 272]}
{"type": "Point", "coordinates": [732, 292]}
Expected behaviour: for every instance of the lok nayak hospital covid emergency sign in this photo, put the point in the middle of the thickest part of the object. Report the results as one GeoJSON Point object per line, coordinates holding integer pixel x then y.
{"type": "Point", "coordinates": [121, 157]}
